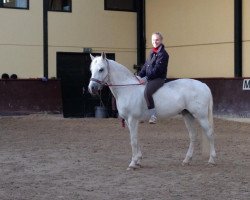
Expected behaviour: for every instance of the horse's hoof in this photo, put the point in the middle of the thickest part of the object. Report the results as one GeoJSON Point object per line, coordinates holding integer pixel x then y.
{"type": "Point", "coordinates": [132, 168]}
{"type": "Point", "coordinates": [211, 164]}
{"type": "Point", "coordinates": [211, 161]}
{"type": "Point", "coordinates": [138, 165]}
{"type": "Point", "coordinates": [185, 163]}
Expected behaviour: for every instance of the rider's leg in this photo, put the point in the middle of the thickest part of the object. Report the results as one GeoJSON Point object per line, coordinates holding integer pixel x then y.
{"type": "Point", "coordinates": [151, 87]}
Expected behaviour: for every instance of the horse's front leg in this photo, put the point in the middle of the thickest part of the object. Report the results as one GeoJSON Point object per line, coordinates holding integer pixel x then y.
{"type": "Point", "coordinates": [136, 151]}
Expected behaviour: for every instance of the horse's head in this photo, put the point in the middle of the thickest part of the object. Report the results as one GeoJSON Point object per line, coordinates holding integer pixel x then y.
{"type": "Point", "coordinates": [99, 73]}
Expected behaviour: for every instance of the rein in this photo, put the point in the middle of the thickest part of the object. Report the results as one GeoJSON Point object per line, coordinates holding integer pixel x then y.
{"type": "Point", "coordinates": [106, 84]}
{"type": "Point", "coordinates": [110, 85]}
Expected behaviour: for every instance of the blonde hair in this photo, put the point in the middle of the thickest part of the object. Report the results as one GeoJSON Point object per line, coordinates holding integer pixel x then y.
{"type": "Point", "coordinates": [159, 34]}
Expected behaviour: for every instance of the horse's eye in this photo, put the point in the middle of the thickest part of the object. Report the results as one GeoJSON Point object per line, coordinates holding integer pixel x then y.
{"type": "Point", "coordinates": [101, 70]}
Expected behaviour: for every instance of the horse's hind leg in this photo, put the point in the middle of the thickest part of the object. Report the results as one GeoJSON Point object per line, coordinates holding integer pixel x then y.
{"type": "Point", "coordinates": [209, 132]}
{"type": "Point", "coordinates": [189, 121]}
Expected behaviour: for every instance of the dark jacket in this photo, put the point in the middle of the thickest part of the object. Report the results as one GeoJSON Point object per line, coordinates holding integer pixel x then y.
{"type": "Point", "coordinates": [156, 65]}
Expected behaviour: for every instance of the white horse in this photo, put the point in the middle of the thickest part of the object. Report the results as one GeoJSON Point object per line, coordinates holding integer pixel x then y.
{"type": "Point", "coordinates": [188, 97]}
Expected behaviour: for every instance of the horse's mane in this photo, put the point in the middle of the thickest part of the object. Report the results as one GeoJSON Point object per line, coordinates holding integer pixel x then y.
{"type": "Point", "coordinates": [118, 68]}
{"type": "Point", "coordinates": [121, 67]}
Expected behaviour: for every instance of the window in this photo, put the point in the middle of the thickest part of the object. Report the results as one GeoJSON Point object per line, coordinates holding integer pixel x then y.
{"type": "Point", "coordinates": [60, 5]}
{"type": "Point", "coordinates": [120, 5]}
{"type": "Point", "coordinates": [23, 4]}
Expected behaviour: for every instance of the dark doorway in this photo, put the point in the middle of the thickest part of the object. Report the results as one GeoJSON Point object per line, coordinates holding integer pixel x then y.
{"type": "Point", "coordinates": [73, 70]}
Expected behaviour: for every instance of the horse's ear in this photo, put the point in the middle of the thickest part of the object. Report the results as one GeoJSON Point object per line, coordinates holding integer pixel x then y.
{"type": "Point", "coordinates": [92, 57]}
{"type": "Point", "coordinates": [103, 56]}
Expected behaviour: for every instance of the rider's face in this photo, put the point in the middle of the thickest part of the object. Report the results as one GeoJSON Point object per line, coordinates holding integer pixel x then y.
{"type": "Point", "coordinates": [156, 40]}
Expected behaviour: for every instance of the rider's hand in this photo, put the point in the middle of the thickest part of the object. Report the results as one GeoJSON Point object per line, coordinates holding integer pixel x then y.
{"type": "Point", "coordinates": [142, 80]}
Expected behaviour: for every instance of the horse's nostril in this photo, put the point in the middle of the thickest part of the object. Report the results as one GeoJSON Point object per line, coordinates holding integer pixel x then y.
{"type": "Point", "coordinates": [93, 88]}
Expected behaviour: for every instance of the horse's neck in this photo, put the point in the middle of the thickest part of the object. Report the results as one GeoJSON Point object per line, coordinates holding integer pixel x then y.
{"type": "Point", "coordinates": [120, 75]}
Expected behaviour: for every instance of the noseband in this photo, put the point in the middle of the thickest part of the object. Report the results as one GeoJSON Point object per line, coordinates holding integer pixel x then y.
{"type": "Point", "coordinates": [98, 81]}
{"type": "Point", "coordinates": [106, 84]}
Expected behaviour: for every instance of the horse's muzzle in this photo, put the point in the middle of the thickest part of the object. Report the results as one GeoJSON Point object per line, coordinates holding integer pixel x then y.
{"type": "Point", "coordinates": [94, 87]}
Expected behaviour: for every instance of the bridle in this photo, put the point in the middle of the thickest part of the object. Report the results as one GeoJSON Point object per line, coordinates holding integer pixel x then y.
{"type": "Point", "coordinates": [104, 83]}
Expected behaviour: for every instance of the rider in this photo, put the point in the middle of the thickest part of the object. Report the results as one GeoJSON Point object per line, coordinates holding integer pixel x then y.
{"type": "Point", "coordinates": [154, 72]}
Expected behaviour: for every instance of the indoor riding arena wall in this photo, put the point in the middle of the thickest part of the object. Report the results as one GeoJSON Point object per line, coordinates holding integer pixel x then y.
{"type": "Point", "coordinates": [229, 96]}
{"type": "Point", "coordinates": [35, 95]}
{"type": "Point", "coordinates": [25, 96]}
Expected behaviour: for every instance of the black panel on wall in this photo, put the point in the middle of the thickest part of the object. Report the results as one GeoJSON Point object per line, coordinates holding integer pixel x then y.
{"type": "Point", "coordinates": [73, 70]}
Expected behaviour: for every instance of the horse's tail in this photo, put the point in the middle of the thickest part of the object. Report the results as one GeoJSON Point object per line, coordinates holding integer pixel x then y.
{"type": "Point", "coordinates": [210, 110]}
{"type": "Point", "coordinates": [205, 144]}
